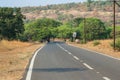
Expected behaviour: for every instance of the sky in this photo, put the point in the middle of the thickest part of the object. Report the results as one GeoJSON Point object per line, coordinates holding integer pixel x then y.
{"type": "Point", "coordinates": [22, 3]}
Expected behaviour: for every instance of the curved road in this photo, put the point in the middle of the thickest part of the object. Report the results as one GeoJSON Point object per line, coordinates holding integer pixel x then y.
{"type": "Point", "coordinates": [59, 61]}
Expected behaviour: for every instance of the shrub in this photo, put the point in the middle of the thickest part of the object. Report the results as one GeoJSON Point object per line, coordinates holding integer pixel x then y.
{"type": "Point", "coordinates": [95, 43]}
{"type": "Point", "coordinates": [117, 44]}
{"type": "Point", "coordinates": [92, 29]}
{"type": "Point", "coordinates": [83, 41]}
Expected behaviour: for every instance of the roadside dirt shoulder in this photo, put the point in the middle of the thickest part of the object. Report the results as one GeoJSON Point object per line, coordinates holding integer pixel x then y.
{"type": "Point", "coordinates": [104, 47]}
{"type": "Point", "coordinates": [14, 61]}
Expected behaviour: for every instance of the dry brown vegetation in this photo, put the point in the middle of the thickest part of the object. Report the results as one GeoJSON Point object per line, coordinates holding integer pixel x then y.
{"type": "Point", "coordinates": [104, 47]}
{"type": "Point", "coordinates": [65, 12]}
{"type": "Point", "coordinates": [103, 15]}
{"type": "Point", "coordinates": [14, 57]}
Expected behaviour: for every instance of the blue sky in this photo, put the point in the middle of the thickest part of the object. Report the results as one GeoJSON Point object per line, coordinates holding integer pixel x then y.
{"type": "Point", "coordinates": [21, 3]}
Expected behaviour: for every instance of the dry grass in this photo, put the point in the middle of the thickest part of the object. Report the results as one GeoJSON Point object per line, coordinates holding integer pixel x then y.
{"type": "Point", "coordinates": [10, 45]}
{"type": "Point", "coordinates": [14, 57]}
{"type": "Point", "coordinates": [104, 47]}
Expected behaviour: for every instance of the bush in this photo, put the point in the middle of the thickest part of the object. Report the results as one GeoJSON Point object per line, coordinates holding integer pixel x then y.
{"type": "Point", "coordinates": [93, 29]}
{"type": "Point", "coordinates": [83, 41]}
{"type": "Point", "coordinates": [23, 37]}
{"type": "Point", "coordinates": [117, 44]}
{"type": "Point", "coordinates": [95, 43]}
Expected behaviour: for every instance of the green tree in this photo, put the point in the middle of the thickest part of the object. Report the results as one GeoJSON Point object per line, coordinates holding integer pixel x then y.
{"type": "Point", "coordinates": [77, 21]}
{"type": "Point", "coordinates": [65, 32]}
{"type": "Point", "coordinates": [74, 22]}
{"type": "Point", "coordinates": [11, 23]}
{"type": "Point", "coordinates": [92, 29]}
{"type": "Point", "coordinates": [54, 32]}
{"type": "Point", "coordinates": [41, 29]}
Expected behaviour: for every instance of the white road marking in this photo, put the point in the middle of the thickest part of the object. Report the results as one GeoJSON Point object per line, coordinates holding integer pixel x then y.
{"type": "Point", "coordinates": [76, 57]}
{"type": "Point", "coordinates": [96, 52]}
{"type": "Point", "coordinates": [98, 72]}
{"type": "Point", "coordinates": [72, 55]}
{"type": "Point", "coordinates": [85, 64]}
{"type": "Point", "coordinates": [29, 73]}
{"type": "Point", "coordinates": [60, 47]}
{"type": "Point", "coordinates": [89, 67]}
{"type": "Point", "coordinates": [106, 78]}
{"type": "Point", "coordinates": [69, 53]}
{"type": "Point", "coordinates": [65, 50]}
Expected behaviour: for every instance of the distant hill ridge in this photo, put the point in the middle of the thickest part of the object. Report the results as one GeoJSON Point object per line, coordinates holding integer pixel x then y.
{"type": "Point", "coordinates": [65, 12]}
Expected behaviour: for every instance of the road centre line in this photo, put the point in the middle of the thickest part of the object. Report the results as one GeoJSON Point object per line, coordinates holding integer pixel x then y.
{"type": "Point", "coordinates": [76, 57]}
{"type": "Point", "coordinates": [65, 50]}
{"type": "Point", "coordinates": [60, 47]}
{"type": "Point", "coordinates": [69, 53]}
{"type": "Point", "coordinates": [98, 72]}
{"type": "Point", "coordinates": [85, 64]}
{"type": "Point", "coordinates": [89, 67]}
{"type": "Point", "coordinates": [106, 78]}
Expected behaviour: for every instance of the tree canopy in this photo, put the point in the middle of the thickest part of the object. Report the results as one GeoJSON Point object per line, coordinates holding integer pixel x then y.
{"type": "Point", "coordinates": [41, 29]}
{"type": "Point", "coordinates": [11, 23]}
{"type": "Point", "coordinates": [93, 28]}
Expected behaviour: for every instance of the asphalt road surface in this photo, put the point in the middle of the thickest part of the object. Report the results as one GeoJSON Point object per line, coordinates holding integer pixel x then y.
{"type": "Point", "coordinates": [59, 61]}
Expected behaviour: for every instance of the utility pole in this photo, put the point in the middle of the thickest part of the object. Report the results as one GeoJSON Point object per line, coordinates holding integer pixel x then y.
{"type": "Point", "coordinates": [114, 24]}
{"type": "Point", "coordinates": [84, 29]}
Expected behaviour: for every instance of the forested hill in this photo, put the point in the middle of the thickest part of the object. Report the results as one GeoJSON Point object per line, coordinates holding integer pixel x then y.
{"type": "Point", "coordinates": [65, 12]}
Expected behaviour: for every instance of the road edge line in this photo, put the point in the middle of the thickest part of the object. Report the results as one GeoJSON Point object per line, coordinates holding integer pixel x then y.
{"type": "Point", "coordinates": [96, 52]}
{"type": "Point", "coordinates": [29, 72]}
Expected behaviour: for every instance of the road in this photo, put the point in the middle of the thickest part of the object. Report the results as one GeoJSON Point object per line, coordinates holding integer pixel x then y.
{"type": "Point", "coordinates": [59, 61]}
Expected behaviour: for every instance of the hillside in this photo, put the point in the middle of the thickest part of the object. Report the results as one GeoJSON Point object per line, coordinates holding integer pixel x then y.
{"type": "Point", "coordinates": [65, 12]}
